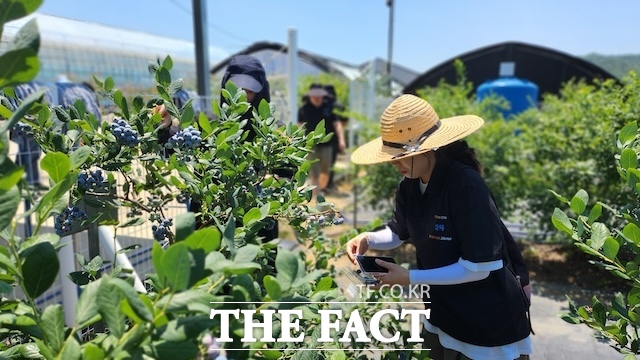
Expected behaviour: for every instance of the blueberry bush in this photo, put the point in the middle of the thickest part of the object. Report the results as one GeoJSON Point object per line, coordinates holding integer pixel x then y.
{"type": "Point", "coordinates": [613, 246]}
{"type": "Point", "coordinates": [210, 258]}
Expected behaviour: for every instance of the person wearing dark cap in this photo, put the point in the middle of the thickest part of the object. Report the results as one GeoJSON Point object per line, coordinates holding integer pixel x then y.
{"type": "Point", "coordinates": [247, 72]}
{"type": "Point", "coordinates": [310, 115]}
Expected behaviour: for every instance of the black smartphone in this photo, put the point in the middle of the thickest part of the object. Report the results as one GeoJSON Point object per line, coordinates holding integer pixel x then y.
{"type": "Point", "coordinates": [368, 264]}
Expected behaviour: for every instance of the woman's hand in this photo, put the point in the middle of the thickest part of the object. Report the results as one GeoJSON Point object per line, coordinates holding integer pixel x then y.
{"type": "Point", "coordinates": [396, 275]}
{"type": "Point", "coordinates": [166, 117]}
{"type": "Point", "coordinates": [357, 246]}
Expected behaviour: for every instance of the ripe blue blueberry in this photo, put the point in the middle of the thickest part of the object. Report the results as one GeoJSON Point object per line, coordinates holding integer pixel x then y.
{"type": "Point", "coordinates": [124, 133]}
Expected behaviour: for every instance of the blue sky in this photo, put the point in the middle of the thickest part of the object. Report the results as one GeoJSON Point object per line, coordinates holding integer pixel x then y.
{"type": "Point", "coordinates": [426, 33]}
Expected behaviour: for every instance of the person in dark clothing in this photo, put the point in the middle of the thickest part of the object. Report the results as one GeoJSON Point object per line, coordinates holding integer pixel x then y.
{"type": "Point", "coordinates": [331, 100]}
{"type": "Point", "coordinates": [443, 207]}
{"type": "Point", "coordinates": [247, 72]}
{"type": "Point", "coordinates": [311, 114]}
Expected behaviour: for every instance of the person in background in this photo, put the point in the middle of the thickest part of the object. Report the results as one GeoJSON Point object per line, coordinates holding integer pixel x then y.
{"type": "Point", "coordinates": [69, 93]}
{"type": "Point", "coordinates": [28, 149]}
{"type": "Point", "coordinates": [247, 72]}
{"type": "Point", "coordinates": [331, 100]}
{"type": "Point", "coordinates": [312, 112]}
{"type": "Point", "coordinates": [479, 309]}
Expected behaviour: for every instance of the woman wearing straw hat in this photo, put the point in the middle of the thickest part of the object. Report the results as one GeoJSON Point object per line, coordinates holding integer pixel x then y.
{"type": "Point", "coordinates": [444, 208]}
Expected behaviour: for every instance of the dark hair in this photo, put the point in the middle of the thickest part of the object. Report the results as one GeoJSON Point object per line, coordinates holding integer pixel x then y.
{"type": "Point", "coordinates": [461, 152]}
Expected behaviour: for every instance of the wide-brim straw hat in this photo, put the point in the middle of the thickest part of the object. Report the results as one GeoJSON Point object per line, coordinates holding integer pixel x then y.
{"type": "Point", "coordinates": [410, 126]}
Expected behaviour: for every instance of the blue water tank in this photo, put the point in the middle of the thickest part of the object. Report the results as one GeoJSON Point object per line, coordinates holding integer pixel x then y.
{"type": "Point", "coordinates": [520, 93]}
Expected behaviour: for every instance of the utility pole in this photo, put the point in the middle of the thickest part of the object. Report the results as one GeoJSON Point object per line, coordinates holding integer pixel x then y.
{"type": "Point", "coordinates": [390, 4]}
{"type": "Point", "coordinates": [201, 40]}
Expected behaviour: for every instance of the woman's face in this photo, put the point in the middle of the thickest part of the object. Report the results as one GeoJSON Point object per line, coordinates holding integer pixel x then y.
{"type": "Point", "coordinates": [250, 95]}
{"type": "Point", "coordinates": [413, 167]}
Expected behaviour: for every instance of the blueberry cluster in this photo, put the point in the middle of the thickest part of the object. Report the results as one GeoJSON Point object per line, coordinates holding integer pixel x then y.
{"type": "Point", "coordinates": [124, 132]}
{"type": "Point", "coordinates": [327, 220]}
{"type": "Point", "coordinates": [22, 130]}
{"type": "Point", "coordinates": [92, 180]}
{"type": "Point", "coordinates": [188, 138]}
{"type": "Point", "coordinates": [65, 220]}
{"type": "Point", "coordinates": [160, 231]}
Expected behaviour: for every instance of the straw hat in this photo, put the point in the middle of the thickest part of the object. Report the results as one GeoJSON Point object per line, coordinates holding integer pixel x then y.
{"type": "Point", "coordinates": [410, 127]}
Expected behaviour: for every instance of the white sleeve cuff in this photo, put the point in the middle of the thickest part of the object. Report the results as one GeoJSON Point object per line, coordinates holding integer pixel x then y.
{"type": "Point", "coordinates": [447, 275]}
{"type": "Point", "coordinates": [483, 266]}
{"type": "Point", "coordinates": [384, 239]}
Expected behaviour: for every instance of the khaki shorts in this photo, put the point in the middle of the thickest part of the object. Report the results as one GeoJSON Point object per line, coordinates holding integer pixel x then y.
{"type": "Point", "coordinates": [324, 154]}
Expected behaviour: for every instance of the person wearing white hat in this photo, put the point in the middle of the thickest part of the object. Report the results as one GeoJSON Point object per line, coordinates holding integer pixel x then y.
{"type": "Point", "coordinates": [310, 115]}
{"type": "Point", "coordinates": [443, 207]}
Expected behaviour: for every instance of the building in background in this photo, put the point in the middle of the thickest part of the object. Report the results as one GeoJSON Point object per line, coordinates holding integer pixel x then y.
{"type": "Point", "coordinates": [274, 58]}
{"type": "Point", "coordinates": [549, 69]}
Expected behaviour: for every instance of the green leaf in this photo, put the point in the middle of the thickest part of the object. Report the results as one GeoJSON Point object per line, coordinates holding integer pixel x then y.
{"type": "Point", "coordinates": [169, 350]}
{"type": "Point", "coordinates": [40, 268]}
{"type": "Point", "coordinates": [610, 248]}
{"type": "Point", "coordinates": [8, 264]}
{"type": "Point", "coordinates": [57, 165]}
{"type": "Point", "coordinates": [163, 77]}
{"type": "Point", "coordinates": [108, 301]}
{"type": "Point", "coordinates": [53, 326]}
{"type": "Point", "coordinates": [71, 349]}
{"type": "Point", "coordinates": [87, 307]}
{"type": "Point", "coordinates": [178, 259]}
{"type": "Point", "coordinates": [19, 66]}
{"type": "Point", "coordinates": [252, 216]}
{"type": "Point", "coordinates": [287, 266]}
{"type": "Point", "coordinates": [27, 37]}
{"type": "Point", "coordinates": [338, 355]}
{"type": "Point", "coordinates": [51, 200]}
{"type": "Point", "coordinates": [628, 159]}
{"type": "Point", "coordinates": [9, 202]}
{"type": "Point", "coordinates": [186, 328]}
{"type": "Point", "coordinates": [205, 126]}
{"type": "Point", "coordinates": [5, 287]}
{"type": "Point", "coordinates": [11, 179]}
{"type": "Point", "coordinates": [326, 283]}
{"type": "Point", "coordinates": [246, 253]}
{"type": "Point", "coordinates": [79, 156]}
{"type": "Point", "coordinates": [633, 297]}
{"type": "Point", "coordinates": [22, 110]}
{"type": "Point", "coordinates": [92, 352]}
{"type": "Point", "coordinates": [561, 221]}
{"type": "Point", "coordinates": [133, 299]}
{"type": "Point", "coordinates": [599, 233]}
{"type": "Point", "coordinates": [273, 287]}
{"type": "Point", "coordinates": [133, 222]}
{"type": "Point", "coordinates": [587, 249]}
{"type": "Point", "coordinates": [188, 114]}
{"type": "Point", "coordinates": [22, 351]}
{"type": "Point", "coordinates": [185, 225]}
{"type": "Point", "coordinates": [16, 9]}
{"type": "Point", "coordinates": [108, 83]}
{"type": "Point", "coordinates": [579, 202]}
{"type": "Point", "coordinates": [207, 239]}
{"type": "Point", "coordinates": [229, 233]}
{"type": "Point", "coordinates": [191, 300]}
{"type": "Point", "coordinates": [157, 253]}
{"type": "Point", "coordinates": [175, 86]}
{"type": "Point", "coordinates": [595, 213]}
{"type": "Point", "coordinates": [632, 232]}
{"type": "Point", "coordinates": [263, 109]}
{"type": "Point", "coordinates": [628, 133]}
{"type": "Point", "coordinates": [167, 63]}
